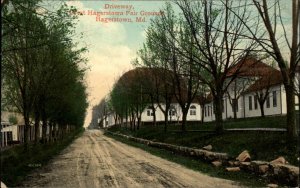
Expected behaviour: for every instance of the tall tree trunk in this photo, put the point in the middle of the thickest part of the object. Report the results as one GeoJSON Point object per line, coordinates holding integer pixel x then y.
{"type": "Point", "coordinates": [218, 113]}
{"type": "Point", "coordinates": [154, 117]}
{"type": "Point", "coordinates": [291, 113]}
{"type": "Point", "coordinates": [138, 121]}
{"type": "Point", "coordinates": [298, 123]}
{"type": "Point", "coordinates": [65, 130]}
{"type": "Point", "coordinates": [122, 121]}
{"type": "Point", "coordinates": [131, 121]}
{"type": "Point", "coordinates": [44, 130]}
{"type": "Point", "coordinates": [116, 119]}
{"type": "Point", "coordinates": [234, 112]}
{"type": "Point", "coordinates": [26, 131]}
{"type": "Point", "coordinates": [184, 115]}
{"type": "Point", "coordinates": [36, 128]}
{"type": "Point", "coordinates": [126, 118]}
{"type": "Point", "coordinates": [262, 110]}
{"type": "Point", "coordinates": [166, 121]}
{"type": "Point", "coordinates": [50, 132]}
{"type": "Point", "coordinates": [55, 132]}
{"type": "Point", "coordinates": [202, 114]}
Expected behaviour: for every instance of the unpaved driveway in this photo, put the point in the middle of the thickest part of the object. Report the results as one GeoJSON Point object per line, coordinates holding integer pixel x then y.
{"type": "Point", "coordinates": [94, 160]}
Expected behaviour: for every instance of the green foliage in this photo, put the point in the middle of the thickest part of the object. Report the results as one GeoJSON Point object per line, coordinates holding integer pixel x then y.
{"type": "Point", "coordinates": [43, 69]}
{"type": "Point", "coordinates": [129, 94]}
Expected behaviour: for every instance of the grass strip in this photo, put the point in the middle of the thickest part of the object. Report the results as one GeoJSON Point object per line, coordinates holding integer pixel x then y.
{"type": "Point", "coordinates": [16, 164]}
{"type": "Point", "coordinates": [243, 178]}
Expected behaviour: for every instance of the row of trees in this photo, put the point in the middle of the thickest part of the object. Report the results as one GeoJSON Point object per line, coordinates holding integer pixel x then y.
{"type": "Point", "coordinates": [207, 38]}
{"type": "Point", "coordinates": [42, 70]}
{"type": "Point", "coordinates": [99, 113]}
{"type": "Point", "coordinates": [197, 48]}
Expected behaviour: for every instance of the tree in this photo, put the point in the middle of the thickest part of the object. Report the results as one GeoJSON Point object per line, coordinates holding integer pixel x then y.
{"type": "Point", "coordinates": [203, 98]}
{"type": "Point", "coordinates": [164, 36]}
{"type": "Point", "coordinates": [40, 63]}
{"type": "Point", "coordinates": [98, 113]}
{"type": "Point", "coordinates": [128, 97]}
{"type": "Point", "coordinates": [262, 86]}
{"type": "Point", "coordinates": [217, 36]}
{"type": "Point", "coordinates": [234, 92]}
{"type": "Point", "coordinates": [276, 44]}
{"type": "Point", "coordinates": [156, 59]}
{"type": "Point", "coordinates": [19, 65]}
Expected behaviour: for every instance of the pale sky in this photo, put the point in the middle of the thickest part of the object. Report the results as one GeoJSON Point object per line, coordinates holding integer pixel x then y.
{"type": "Point", "coordinates": [111, 46]}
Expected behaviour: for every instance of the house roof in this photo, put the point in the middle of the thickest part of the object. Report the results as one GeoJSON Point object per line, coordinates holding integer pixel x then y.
{"type": "Point", "coordinates": [250, 67]}
{"type": "Point", "coordinates": [263, 74]}
{"type": "Point", "coordinates": [272, 79]}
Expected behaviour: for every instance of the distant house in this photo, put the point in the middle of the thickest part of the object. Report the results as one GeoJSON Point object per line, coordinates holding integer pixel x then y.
{"type": "Point", "coordinates": [174, 114]}
{"type": "Point", "coordinates": [13, 133]}
{"type": "Point", "coordinates": [254, 79]}
{"type": "Point", "coordinates": [10, 133]}
{"type": "Point", "coordinates": [107, 120]}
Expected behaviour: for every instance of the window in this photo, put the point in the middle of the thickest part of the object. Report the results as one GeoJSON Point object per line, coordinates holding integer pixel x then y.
{"type": "Point", "coordinates": [250, 102]}
{"type": "Point", "coordinates": [274, 99]}
{"type": "Point", "coordinates": [193, 110]}
{"type": "Point", "coordinates": [255, 102]}
{"type": "Point", "coordinates": [235, 105]}
{"type": "Point", "coordinates": [172, 111]}
{"type": "Point", "coordinates": [149, 111]}
{"type": "Point", "coordinates": [268, 101]}
{"type": "Point", "coordinates": [204, 111]}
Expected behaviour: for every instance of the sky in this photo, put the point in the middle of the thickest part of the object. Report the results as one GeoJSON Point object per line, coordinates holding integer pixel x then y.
{"type": "Point", "coordinates": [111, 46]}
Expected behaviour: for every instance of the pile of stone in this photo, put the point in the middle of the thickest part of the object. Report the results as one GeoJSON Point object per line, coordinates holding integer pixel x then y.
{"type": "Point", "coordinates": [203, 153]}
{"type": "Point", "coordinates": [277, 171]}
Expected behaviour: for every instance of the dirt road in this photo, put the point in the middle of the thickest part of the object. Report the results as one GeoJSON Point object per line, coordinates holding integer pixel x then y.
{"type": "Point", "coordinates": [94, 160]}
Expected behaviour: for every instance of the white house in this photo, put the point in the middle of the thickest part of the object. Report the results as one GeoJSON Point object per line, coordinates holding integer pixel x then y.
{"type": "Point", "coordinates": [14, 133]}
{"type": "Point", "coordinates": [254, 79]}
{"type": "Point", "coordinates": [108, 120]}
{"type": "Point", "coordinates": [9, 132]}
{"type": "Point", "coordinates": [174, 114]}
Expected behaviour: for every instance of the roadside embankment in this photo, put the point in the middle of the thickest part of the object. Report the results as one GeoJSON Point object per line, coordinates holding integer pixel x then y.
{"type": "Point", "coordinates": [277, 171]}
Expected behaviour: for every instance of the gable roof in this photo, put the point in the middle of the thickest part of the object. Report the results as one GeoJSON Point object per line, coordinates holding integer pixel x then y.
{"type": "Point", "coordinates": [265, 75]}
{"type": "Point", "coordinates": [269, 80]}
{"type": "Point", "coordinates": [250, 67]}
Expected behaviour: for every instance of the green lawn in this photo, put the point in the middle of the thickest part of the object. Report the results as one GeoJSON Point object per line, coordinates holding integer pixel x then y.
{"type": "Point", "coordinates": [261, 145]}
{"type": "Point", "coordinates": [16, 164]}
{"type": "Point", "coordinates": [257, 122]}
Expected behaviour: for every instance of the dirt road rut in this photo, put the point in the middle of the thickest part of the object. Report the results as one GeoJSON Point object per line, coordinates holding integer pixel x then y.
{"type": "Point", "coordinates": [94, 160]}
